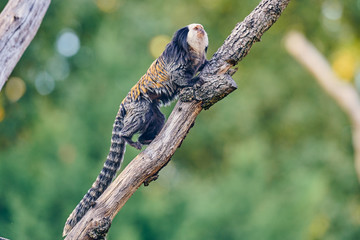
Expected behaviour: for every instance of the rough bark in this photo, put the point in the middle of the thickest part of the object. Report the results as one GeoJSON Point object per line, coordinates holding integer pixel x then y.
{"type": "Point", "coordinates": [217, 84]}
{"type": "Point", "coordinates": [342, 92]}
{"type": "Point", "coordinates": [19, 22]}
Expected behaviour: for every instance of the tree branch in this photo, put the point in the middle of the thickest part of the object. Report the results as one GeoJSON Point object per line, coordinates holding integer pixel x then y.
{"type": "Point", "coordinates": [19, 22]}
{"type": "Point", "coordinates": [217, 84]}
{"type": "Point", "coordinates": [342, 92]}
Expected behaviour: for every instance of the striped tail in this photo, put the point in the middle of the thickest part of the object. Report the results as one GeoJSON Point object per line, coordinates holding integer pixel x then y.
{"type": "Point", "coordinates": [111, 166]}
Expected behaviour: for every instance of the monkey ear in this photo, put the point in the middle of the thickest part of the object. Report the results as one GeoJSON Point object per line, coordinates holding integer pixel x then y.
{"type": "Point", "coordinates": [178, 49]}
{"type": "Point", "coordinates": [180, 39]}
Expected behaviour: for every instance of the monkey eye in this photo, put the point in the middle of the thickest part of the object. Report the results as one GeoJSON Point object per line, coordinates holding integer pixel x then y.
{"type": "Point", "coordinates": [198, 27]}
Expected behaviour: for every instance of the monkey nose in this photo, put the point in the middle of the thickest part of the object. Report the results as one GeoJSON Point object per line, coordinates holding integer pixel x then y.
{"type": "Point", "coordinates": [200, 29]}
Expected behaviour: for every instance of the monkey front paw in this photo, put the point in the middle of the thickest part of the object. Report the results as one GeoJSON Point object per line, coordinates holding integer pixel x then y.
{"type": "Point", "coordinates": [198, 82]}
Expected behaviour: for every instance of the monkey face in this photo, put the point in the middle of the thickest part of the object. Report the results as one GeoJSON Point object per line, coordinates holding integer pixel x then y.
{"type": "Point", "coordinates": [197, 37]}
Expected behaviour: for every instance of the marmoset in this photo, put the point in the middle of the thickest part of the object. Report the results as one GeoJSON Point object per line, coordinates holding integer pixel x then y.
{"type": "Point", "coordinates": [139, 112]}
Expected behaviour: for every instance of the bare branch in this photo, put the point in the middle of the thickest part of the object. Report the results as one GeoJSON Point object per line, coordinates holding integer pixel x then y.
{"type": "Point", "coordinates": [19, 22]}
{"type": "Point", "coordinates": [342, 92]}
{"type": "Point", "coordinates": [218, 84]}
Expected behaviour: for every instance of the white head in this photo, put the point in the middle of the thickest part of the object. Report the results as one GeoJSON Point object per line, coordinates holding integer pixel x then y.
{"type": "Point", "coordinates": [197, 37]}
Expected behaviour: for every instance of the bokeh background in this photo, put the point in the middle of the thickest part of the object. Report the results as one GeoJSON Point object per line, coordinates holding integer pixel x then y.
{"type": "Point", "coordinates": [273, 160]}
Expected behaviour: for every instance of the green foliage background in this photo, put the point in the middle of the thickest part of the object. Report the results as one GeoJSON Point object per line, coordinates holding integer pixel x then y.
{"type": "Point", "coordinates": [273, 160]}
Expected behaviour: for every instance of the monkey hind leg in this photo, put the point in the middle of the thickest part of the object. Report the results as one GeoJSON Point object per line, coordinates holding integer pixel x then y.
{"type": "Point", "coordinates": [129, 141]}
{"type": "Point", "coordinates": [154, 126]}
{"type": "Point", "coordinates": [136, 120]}
{"type": "Point", "coordinates": [127, 133]}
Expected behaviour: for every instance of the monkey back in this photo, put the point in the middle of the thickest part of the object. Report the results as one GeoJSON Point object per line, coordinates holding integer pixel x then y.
{"type": "Point", "coordinates": [155, 85]}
